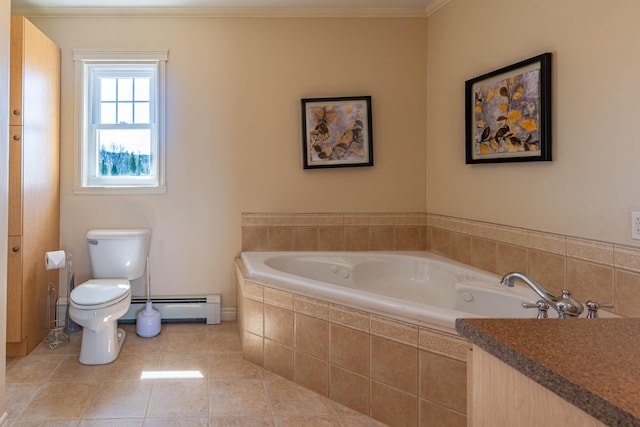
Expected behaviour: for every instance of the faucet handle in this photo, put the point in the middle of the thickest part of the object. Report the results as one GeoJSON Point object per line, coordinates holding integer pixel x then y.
{"type": "Point", "coordinates": [594, 306]}
{"type": "Point", "coordinates": [541, 305]}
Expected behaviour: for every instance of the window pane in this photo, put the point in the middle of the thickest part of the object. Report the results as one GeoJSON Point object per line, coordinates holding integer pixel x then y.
{"type": "Point", "coordinates": [141, 112]}
{"type": "Point", "coordinates": [125, 112]}
{"type": "Point", "coordinates": [107, 89]}
{"type": "Point", "coordinates": [125, 89]}
{"type": "Point", "coordinates": [107, 113]}
{"type": "Point", "coordinates": [142, 89]}
{"type": "Point", "coordinates": [124, 152]}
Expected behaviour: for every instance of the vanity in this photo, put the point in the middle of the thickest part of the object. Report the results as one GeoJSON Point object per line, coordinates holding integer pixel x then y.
{"type": "Point", "coordinates": [573, 372]}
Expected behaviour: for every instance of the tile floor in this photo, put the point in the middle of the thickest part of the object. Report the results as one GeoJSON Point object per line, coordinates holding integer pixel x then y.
{"type": "Point", "coordinates": [51, 388]}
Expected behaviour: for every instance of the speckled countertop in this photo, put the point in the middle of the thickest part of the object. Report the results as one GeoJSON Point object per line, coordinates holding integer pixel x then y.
{"type": "Point", "coordinates": [592, 363]}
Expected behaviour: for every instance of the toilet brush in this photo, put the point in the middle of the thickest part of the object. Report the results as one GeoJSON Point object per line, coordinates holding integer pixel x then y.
{"type": "Point", "coordinates": [148, 319]}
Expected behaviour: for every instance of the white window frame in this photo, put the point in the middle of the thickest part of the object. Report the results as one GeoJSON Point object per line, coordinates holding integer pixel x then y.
{"type": "Point", "coordinates": [86, 179]}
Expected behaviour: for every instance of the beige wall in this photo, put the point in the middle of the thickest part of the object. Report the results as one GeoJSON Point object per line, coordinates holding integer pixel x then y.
{"type": "Point", "coordinates": [233, 123]}
{"type": "Point", "coordinates": [5, 8]}
{"type": "Point", "coordinates": [592, 184]}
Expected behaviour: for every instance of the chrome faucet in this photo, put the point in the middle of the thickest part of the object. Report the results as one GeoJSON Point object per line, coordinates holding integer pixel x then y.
{"type": "Point", "coordinates": [565, 304]}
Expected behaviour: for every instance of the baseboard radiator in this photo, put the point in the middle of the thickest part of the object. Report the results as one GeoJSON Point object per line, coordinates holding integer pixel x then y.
{"type": "Point", "coordinates": [187, 309]}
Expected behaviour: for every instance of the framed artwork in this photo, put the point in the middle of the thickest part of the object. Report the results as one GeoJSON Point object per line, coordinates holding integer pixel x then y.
{"type": "Point", "coordinates": [336, 132]}
{"type": "Point", "coordinates": [508, 113]}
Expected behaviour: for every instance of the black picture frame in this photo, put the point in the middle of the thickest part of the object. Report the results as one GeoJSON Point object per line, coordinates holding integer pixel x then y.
{"type": "Point", "coordinates": [337, 132]}
{"type": "Point", "coordinates": [508, 113]}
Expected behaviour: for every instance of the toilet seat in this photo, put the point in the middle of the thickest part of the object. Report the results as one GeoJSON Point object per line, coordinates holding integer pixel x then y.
{"type": "Point", "coordinates": [97, 293]}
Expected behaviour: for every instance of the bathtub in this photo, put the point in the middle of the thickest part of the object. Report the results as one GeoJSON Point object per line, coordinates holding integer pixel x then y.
{"type": "Point", "coordinates": [415, 287]}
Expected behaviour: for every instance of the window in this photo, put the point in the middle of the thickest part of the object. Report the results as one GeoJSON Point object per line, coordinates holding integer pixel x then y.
{"type": "Point", "coordinates": [120, 122]}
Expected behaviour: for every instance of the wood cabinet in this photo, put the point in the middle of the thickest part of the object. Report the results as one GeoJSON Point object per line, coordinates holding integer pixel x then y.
{"type": "Point", "coordinates": [500, 396]}
{"type": "Point", "coordinates": [34, 189]}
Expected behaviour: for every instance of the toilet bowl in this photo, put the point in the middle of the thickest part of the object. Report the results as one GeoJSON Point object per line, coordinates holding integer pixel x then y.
{"type": "Point", "coordinates": [96, 305]}
{"type": "Point", "coordinates": [117, 256]}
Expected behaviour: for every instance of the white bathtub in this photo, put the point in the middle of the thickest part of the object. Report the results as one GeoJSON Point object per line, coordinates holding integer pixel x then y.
{"type": "Point", "coordinates": [415, 287]}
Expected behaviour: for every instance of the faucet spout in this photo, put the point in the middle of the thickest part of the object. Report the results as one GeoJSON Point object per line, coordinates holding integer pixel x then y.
{"type": "Point", "coordinates": [565, 304]}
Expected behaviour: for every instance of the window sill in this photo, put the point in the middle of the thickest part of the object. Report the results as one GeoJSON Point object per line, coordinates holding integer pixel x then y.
{"type": "Point", "coordinates": [119, 191]}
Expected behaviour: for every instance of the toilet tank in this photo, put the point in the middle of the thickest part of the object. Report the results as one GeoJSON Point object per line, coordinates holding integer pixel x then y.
{"type": "Point", "coordinates": [118, 253]}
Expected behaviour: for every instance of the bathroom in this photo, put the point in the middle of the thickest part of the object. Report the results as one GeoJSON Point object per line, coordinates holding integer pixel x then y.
{"type": "Point", "coordinates": [234, 146]}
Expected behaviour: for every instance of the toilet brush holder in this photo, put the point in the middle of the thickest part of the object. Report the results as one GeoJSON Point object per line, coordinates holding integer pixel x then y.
{"type": "Point", "coordinates": [148, 321]}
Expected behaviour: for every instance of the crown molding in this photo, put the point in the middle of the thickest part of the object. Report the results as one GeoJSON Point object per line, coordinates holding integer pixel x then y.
{"type": "Point", "coordinates": [223, 12]}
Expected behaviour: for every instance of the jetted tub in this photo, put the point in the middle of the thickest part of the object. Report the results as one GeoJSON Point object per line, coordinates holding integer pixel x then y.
{"type": "Point", "coordinates": [415, 287]}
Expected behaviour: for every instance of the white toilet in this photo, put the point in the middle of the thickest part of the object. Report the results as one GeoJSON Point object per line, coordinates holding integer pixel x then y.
{"type": "Point", "coordinates": [117, 256]}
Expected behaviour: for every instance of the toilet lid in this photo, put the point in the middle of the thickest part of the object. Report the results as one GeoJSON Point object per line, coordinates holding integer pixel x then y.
{"type": "Point", "coordinates": [100, 291]}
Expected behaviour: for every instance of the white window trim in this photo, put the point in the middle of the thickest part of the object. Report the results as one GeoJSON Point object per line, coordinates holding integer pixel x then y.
{"type": "Point", "coordinates": [86, 57]}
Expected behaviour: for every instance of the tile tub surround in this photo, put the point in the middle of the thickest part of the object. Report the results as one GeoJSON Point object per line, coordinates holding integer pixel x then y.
{"type": "Point", "coordinates": [393, 371]}
{"type": "Point", "coordinates": [600, 271]}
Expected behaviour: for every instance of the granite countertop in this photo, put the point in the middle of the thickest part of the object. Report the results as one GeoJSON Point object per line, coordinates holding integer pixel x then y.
{"type": "Point", "coordinates": [592, 363]}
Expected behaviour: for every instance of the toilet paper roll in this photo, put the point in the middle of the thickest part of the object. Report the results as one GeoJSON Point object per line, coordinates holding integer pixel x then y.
{"type": "Point", "coordinates": [54, 260]}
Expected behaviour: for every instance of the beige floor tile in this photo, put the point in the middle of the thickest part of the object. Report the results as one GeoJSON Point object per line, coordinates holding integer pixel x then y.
{"type": "Point", "coordinates": [184, 342]}
{"type": "Point", "coordinates": [119, 400]}
{"type": "Point", "coordinates": [290, 400]}
{"type": "Point", "coordinates": [114, 422]}
{"type": "Point", "coordinates": [32, 369]}
{"type": "Point", "coordinates": [234, 397]}
{"type": "Point", "coordinates": [44, 423]}
{"type": "Point", "coordinates": [359, 421]}
{"type": "Point", "coordinates": [183, 362]}
{"type": "Point", "coordinates": [71, 370]}
{"type": "Point", "coordinates": [133, 344]}
{"type": "Point", "coordinates": [18, 396]}
{"type": "Point", "coordinates": [176, 422]}
{"type": "Point", "coordinates": [60, 401]}
{"type": "Point", "coordinates": [129, 367]}
{"type": "Point", "coordinates": [173, 399]}
{"type": "Point", "coordinates": [241, 422]}
{"type": "Point", "coordinates": [317, 421]}
{"type": "Point", "coordinates": [223, 342]}
{"type": "Point", "coordinates": [231, 366]}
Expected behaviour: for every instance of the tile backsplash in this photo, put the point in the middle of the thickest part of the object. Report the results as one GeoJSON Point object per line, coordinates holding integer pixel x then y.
{"type": "Point", "coordinates": [600, 271]}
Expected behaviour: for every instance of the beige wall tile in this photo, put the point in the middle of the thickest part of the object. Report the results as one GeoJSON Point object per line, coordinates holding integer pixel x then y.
{"type": "Point", "coordinates": [254, 317]}
{"type": "Point", "coordinates": [461, 248]}
{"type": "Point", "coordinates": [277, 297]}
{"type": "Point", "coordinates": [484, 254]}
{"type": "Point", "coordinates": [311, 307]}
{"type": "Point", "coordinates": [253, 348]}
{"type": "Point", "coordinates": [278, 359]}
{"type": "Point", "coordinates": [356, 219]}
{"type": "Point", "coordinates": [445, 344]}
{"type": "Point", "coordinates": [356, 238]}
{"type": "Point", "coordinates": [407, 238]}
{"type": "Point", "coordinates": [349, 389]}
{"type": "Point", "coordinates": [425, 241]}
{"type": "Point", "coordinates": [547, 269]}
{"type": "Point", "coordinates": [279, 220]}
{"type": "Point", "coordinates": [349, 317]}
{"type": "Point", "coordinates": [305, 238]}
{"type": "Point", "coordinates": [512, 235]}
{"type": "Point", "coordinates": [439, 221]}
{"type": "Point", "coordinates": [330, 220]}
{"type": "Point", "coordinates": [381, 219]}
{"type": "Point", "coordinates": [511, 258]}
{"type": "Point", "coordinates": [311, 373]}
{"type": "Point", "coordinates": [331, 238]}
{"type": "Point", "coordinates": [253, 291]}
{"type": "Point", "coordinates": [626, 258]}
{"type": "Point", "coordinates": [392, 406]}
{"type": "Point", "coordinates": [431, 413]}
{"type": "Point", "coordinates": [589, 281]}
{"type": "Point", "coordinates": [254, 220]}
{"type": "Point", "coordinates": [280, 238]}
{"type": "Point", "coordinates": [381, 238]}
{"type": "Point", "coordinates": [394, 364]}
{"type": "Point", "coordinates": [443, 381]}
{"type": "Point", "coordinates": [588, 250]}
{"type": "Point", "coordinates": [278, 324]}
{"type": "Point", "coordinates": [254, 238]}
{"type": "Point", "coordinates": [312, 336]}
{"type": "Point", "coordinates": [546, 242]}
{"type": "Point", "coordinates": [627, 294]}
{"type": "Point", "coordinates": [407, 219]}
{"type": "Point", "coordinates": [349, 349]}
{"type": "Point", "coordinates": [440, 241]}
{"type": "Point", "coordinates": [394, 330]}
{"type": "Point", "coordinates": [305, 220]}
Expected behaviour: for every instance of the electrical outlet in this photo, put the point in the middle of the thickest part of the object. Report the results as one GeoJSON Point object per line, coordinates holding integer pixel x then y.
{"type": "Point", "coordinates": [635, 225]}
